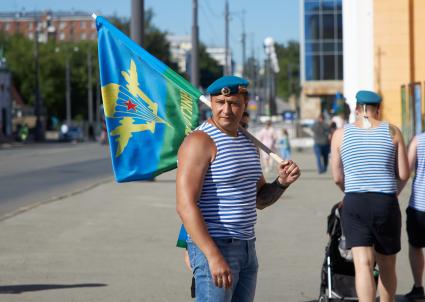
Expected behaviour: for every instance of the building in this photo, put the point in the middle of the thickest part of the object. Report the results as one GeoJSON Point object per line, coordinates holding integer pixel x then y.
{"type": "Point", "coordinates": [59, 26]}
{"type": "Point", "coordinates": [321, 51]}
{"type": "Point", "coordinates": [181, 46]}
{"type": "Point", "coordinates": [383, 51]}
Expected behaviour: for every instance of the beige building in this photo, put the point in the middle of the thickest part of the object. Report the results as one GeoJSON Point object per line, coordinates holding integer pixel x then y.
{"type": "Point", "coordinates": [387, 56]}
{"type": "Point", "coordinates": [399, 49]}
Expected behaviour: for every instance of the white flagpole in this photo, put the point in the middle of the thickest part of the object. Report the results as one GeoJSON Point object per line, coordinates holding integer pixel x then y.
{"type": "Point", "coordinates": [259, 144]}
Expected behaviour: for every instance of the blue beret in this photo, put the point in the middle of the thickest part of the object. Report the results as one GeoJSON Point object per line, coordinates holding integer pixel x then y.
{"type": "Point", "coordinates": [368, 97]}
{"type": "Point", "coordinates": [228, 85]}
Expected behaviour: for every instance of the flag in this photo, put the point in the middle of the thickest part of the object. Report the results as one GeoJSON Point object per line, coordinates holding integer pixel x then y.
{"type": "Point", "coordinates": [182, 238]}
{"type": "Point", "coordinates": [149, 108]}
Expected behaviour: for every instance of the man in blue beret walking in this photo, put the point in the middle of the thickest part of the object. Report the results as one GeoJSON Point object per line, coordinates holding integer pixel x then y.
{"type": "Point", "coordinates": [219, 186]}
{"type": "Point", "coordinates": [368, 162]}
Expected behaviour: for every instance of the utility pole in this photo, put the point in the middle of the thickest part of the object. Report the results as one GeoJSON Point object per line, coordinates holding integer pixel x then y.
{"type": "Point", "coordinates": [90, 94]}
{"type": "Point", "coordinates": [68, 92]}
{"type": "Point", "coordinates": [39, 126]}
{"type": "Point", "coordinates": [272, 68]}
{"type": "Point", "coordinates": [243, 43]}
{"type": "Point", "coordinates": [137, 23]}
{"type": "Point", "coordinates": [194, 73]}
{"type": "Point", "coordinates": [226, 41]}
{"type": "Point", "coordinates": [97, 100]}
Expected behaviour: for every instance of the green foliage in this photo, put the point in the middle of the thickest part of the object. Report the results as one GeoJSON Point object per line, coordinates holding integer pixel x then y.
{"type": "Point", "coordinates": [19, 52]}
{"type": "Point", "coordinates": [154, 40]}
{"type": "Point", "coordinates": [288, 79]}
{"type": "Point", "coordinates": [20, 56]}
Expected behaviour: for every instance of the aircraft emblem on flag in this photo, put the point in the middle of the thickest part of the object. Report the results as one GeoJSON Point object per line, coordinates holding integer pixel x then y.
{"type": "Point", "coordinates": [136, 111]}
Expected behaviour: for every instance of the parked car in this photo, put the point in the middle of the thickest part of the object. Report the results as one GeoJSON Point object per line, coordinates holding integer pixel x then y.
{"type": "Point", "coordinates": [71, 134]}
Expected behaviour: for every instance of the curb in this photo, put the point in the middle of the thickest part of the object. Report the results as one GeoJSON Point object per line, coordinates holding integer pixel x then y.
{"type": "Point", "coordinates": [53, 199]}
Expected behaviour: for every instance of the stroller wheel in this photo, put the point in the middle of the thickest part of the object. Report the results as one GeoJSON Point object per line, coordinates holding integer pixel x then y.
{"type": "Point", "coordinates": [323, 298]}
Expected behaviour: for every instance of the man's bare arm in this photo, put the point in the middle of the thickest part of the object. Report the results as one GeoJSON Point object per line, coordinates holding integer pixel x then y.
{"type": "Point", "coordinates": [336, 163]}
{"type": "Point", "coordinates": [269, 193]}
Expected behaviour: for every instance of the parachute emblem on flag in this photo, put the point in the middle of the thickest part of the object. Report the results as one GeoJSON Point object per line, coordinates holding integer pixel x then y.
{"type": "Point", "coordinates": [136, 111]}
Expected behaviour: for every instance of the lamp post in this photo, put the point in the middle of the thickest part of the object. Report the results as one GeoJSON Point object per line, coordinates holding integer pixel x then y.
{"type": "Point", "coordinates": [39, 125]}
{"type": "Point", "coordinates": [272, 68]}
{"type": "Point", "coordinates": [90, 95]}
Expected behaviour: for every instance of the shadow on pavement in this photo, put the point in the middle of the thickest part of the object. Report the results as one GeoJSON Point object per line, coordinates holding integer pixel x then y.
{"type": "Point", "coordinates": [21, 288]}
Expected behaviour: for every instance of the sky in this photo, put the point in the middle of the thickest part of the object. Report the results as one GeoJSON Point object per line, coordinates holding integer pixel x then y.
{"type": "Point", "coordinates": [278, 19]}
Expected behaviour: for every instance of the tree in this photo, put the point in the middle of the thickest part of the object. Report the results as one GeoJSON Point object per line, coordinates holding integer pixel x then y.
{"type": "Point", "coordinates": [288, 79]}
{"type": "Point", "coordinates": [155, 41]}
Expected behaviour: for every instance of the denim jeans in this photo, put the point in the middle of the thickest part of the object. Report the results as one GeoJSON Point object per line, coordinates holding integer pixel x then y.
{"type": "Point", "coordinates": [322, 156]}
{"type": "Point", "coordinates": [242, 259]}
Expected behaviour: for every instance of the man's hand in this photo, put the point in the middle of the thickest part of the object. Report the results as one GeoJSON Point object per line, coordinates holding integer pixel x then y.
{"type": "Point", "coordinates": [288, 172]}
{"type": "Point", "coordinates": [220, 271]}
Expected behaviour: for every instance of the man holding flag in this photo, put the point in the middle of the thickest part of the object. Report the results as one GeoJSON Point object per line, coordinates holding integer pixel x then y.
{"type": "Point", "coordinates": [219, 186]}
{"type": "Point", "coordinates": [149, 109]}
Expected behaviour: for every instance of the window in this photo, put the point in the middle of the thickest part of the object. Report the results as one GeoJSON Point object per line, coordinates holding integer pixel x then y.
{"type": "Point", "coordinates": [62, 36]}
{"type": "Point", "coordinates": [82, 24]}
{"type": "Point", "coordinates": [323, 39]}
{"type": "Point", "coordinates": [329, 67]}
{"type": "Point", "coordinates": [328, 5]}
{"type": "Point", "coordinates": [312, 27]}
{"type": "Point", "coordinates": [328, 26]}
{"type": "Point", "coordinates": [83, 36]}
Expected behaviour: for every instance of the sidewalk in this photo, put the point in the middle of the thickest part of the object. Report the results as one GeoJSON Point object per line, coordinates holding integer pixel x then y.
{"type": "Point", "coordinates": [116, 242]}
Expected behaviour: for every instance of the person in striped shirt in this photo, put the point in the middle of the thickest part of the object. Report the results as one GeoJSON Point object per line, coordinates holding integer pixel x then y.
{"type": "Point", "coordinates": [369, 163]}
{"type": "Point", "coordinates": [415, 222]}
{"type": "Point", "coordinates": [219, 186]}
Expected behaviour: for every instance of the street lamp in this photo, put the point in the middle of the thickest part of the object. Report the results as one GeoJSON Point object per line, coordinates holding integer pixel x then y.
{"type": "Point", "coordinates": [39, 125]}
{"type": "Point", "coordinates": [272, 68]}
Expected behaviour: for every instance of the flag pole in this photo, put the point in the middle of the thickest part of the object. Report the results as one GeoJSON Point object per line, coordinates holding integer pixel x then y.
{"type": "Point", "coordinates": [256, 142]}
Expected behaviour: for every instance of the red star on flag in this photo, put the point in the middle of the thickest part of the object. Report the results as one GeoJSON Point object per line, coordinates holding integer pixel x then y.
{"type": "Point", "coordinates": [130, 105]}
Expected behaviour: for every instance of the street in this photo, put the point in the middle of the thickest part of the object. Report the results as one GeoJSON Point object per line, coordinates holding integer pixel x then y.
{"type": "Point", "coordinates": [116, 242]}
{"type": "Point", "coordinates": [44, 172]}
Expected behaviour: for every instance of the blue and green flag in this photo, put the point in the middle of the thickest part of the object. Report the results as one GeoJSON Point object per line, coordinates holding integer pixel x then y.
{"type": "Point", "coordinates": [149, 108]}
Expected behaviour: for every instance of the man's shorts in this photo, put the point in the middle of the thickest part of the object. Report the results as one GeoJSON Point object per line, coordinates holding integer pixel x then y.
{"type": "Point", "coordinates": [415, 225]}
{"type": "Point", "coordinates": [372, 219]}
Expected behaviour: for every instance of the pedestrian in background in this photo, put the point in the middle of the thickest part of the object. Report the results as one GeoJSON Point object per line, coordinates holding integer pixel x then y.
{"type": "Point", "coordinates": [219, 186]}
{"type": "Point", "coordinates": [321, 145]}
{"type": "Point", "coordinates": [245, 120]}
{"type": "Point", "coordinates": [415, 222]}
{"type": "Point", "coordinates": [368, 161]}
{"type": "Point", "coordinates": [267, 135]}
{"type": "Point", "coordinates": [284, 145]}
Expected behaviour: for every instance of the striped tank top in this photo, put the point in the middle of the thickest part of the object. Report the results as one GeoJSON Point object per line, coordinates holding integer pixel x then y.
{"type": "Point", "coordinates": [417, 198]}
{"type": "Point", "coordinates": [229, 193]}
{"type": "Point", "coordinates": [368, 158]}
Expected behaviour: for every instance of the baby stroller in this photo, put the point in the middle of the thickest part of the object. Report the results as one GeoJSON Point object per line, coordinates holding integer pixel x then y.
{"type": "Point", "coordinates": [337, 275]}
